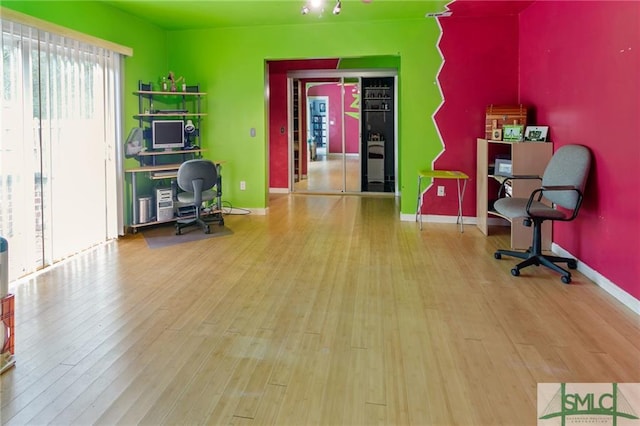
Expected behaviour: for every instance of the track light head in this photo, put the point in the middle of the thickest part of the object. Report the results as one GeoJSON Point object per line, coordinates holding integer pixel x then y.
{"type": "Point", "coordinates": [337, 8]}
{"type": "Point", "coordinates": [304, 10]}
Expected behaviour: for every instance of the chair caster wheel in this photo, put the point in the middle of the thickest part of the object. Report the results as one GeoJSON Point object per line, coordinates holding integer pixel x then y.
{"type": "Point", "coordinates": [497, 255]}
{"type": "Point", "coordinates": [515, 272]}
{"type": "Point", "coordinates": [566, 279]}
{"type": "Point", "coordinates": [572, 264]}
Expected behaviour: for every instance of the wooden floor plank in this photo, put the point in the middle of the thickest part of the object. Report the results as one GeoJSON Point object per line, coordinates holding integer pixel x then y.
{"type": "Point", "coordinates": [327, 310]}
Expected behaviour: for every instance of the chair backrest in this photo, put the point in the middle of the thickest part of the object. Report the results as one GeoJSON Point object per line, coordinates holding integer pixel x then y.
{"type": "Point", "coordinates": [197, 175]}
{"type": "Point", "coordinates": [568, 166]}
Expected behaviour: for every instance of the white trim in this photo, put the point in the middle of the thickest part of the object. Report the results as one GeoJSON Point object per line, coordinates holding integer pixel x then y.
{"type": "Point", "coordinates": [338, 73]}
{"type": "Point", "coordinates": [278, 190]}
{"type": "Point", "coordinates": [435, 218]}
{"type": "Point", "coordinates": [40, 24]}
{"type": "Point", "coordinates": [601, 281]}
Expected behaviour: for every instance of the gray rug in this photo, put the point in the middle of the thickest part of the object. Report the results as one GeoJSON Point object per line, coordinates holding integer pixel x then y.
{"type": "Point", "coordinates": [165, 235]}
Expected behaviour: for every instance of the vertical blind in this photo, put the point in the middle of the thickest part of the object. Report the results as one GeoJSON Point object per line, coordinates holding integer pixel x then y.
{"type": "Point", "coordinates": [58, 179]}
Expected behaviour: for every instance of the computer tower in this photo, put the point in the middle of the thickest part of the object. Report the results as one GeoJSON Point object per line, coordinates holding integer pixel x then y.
{"type": "Point", "coordinates": [164, 204]}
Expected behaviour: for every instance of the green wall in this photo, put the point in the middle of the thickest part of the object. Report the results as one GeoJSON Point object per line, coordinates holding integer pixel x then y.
{"type": "Point", "coordinates": [229, 64]}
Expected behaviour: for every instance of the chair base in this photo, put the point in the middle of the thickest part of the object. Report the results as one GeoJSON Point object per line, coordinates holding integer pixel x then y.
{"type": "Point", "coordinates": [538, 259]}
{"type": "Point", "coordinates": [204, 224]}
{"type": "Point", "coordinates": [198, 221]}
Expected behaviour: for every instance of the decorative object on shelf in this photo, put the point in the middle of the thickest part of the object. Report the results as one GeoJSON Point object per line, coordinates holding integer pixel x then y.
{"type": "Point", "coordinates": [536, 133]}
{"type": "Point", "coordinates": [173, 81]}
{"type": "Point", "coordinates": [512, 133]}
{"type": "Point", "coordinates": [497, 116]}
{"type": "Point", "coordinates": [503, 167]}
{"type": "Point", "coordinates": [496, 134]}
{"type": "Point", "coordinates": [323, 107]}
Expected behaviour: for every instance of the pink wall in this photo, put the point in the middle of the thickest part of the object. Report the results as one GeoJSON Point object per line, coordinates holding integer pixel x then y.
{"type": "Point", "coordinates": [582, 73]}
{"type": "Point", "coordinates": [352, 125]}
{"type": "Point", "coordinates": [480, 68]}
{"type": "Point", "coordinates": [577, 64]}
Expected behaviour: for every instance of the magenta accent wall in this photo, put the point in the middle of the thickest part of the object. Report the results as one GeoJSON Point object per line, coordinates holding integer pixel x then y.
{"type": "Point", "coordinates": [332, 91]}
{"type": "Point", "coordinates": [580, 67]}
{"type": "Point", "coordinates": [480, 68]}
{"type": "Point", "coordinates": [277, 99]}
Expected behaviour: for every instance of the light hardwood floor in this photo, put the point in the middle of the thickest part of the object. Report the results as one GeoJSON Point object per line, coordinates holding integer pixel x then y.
{"type": "Point", "coordinates": [328, 310]}
{"type": "Point", "coordinates": [326, 175]}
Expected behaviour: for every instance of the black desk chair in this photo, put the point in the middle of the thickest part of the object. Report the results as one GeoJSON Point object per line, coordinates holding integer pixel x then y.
{"type": "Point", "coordinates": [196, 178]}
{"type": "Point", "coordinates": [563, 185]}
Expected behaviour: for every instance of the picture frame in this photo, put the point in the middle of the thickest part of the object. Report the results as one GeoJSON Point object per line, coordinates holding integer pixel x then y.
{"type": "Point", "coordinates": [536, 133]}
{"type": "Point", "coordinates": [496, 134]}
{"type": "Point", "coordinates": [512, 132]}
{"type": "Point", "coordinates": [323, 107]}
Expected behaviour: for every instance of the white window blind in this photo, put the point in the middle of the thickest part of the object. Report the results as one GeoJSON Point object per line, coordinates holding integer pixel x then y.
{"type": "Point", "coordinates": [58, 162]}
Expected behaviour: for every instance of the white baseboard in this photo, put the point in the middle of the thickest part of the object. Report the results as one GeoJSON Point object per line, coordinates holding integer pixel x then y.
{"type": "Point", "coordinates": [278, 190]}
{"type": "Point", "coordinates": [258, 212]}
{"type": "Point", "coordinates": [434, 218]}
{"type": "Point", "coordinates": [601, 281]}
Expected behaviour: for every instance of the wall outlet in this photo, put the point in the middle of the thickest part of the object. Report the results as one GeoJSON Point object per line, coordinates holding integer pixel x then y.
{"type": "Point", "coordinates": [441, 191]}
{"type": "Point", "coordinates": [243, 185]}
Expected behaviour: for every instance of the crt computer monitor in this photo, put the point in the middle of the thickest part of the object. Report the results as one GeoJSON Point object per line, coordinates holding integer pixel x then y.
{"type": "Point", "coordinates": [167, 134]}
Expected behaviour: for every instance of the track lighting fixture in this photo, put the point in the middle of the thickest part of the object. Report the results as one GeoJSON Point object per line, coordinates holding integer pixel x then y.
{"type": "Point", "coordinates": [318, 5]}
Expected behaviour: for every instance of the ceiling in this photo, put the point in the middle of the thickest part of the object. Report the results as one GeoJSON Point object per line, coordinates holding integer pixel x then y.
{"type": "Point", "coordinates": [184, 15]}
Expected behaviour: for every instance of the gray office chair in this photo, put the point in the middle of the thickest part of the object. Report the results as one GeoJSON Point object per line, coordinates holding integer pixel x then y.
{"type": "Point", "coordinates": [196, 178]}
{"type": "Point", "coordinates": [563, 185]}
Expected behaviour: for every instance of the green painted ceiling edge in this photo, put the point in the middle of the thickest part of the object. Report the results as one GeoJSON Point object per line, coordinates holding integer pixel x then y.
{"type": "Point", "coordinates": [184, 15]}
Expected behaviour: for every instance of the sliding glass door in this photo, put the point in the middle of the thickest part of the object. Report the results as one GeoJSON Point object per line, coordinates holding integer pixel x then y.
{"type": "Point", "coordinates": [58, 192]}
{"type": "Point", "coordinates": [330, 132]}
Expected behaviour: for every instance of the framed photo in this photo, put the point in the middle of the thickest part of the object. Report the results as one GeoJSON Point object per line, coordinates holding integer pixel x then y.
{"type": "Point", "coordinates": [536, 133]}
{"type": "Point", "coordinates": [512, 132]}
{"type": "Point", "coordinates": [323, 107]}
{"type": "Point", "coordinates": [496, 134]}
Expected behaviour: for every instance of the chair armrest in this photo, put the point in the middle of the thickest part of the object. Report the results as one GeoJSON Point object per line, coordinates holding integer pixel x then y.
{"type": "Point", "coordinates": [536, 195]}
{"type": "Point", "coordinates": [506, 179]}
{"type": "Point", "coordinates": [525, 177]}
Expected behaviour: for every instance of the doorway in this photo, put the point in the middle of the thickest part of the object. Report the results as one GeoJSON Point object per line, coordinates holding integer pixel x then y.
{"type": "Point", "coordinates": [331, 133]}
{"type": "Point", "coordinates": [317, 136]}
{"type": "Point", "coordinates": [329, 155]}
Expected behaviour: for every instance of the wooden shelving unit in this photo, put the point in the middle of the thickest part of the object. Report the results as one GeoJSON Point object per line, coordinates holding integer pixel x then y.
{"type": "Point", "coordinates": [159, 168]}
{"type": "Point", "coordinates": [528, 158]}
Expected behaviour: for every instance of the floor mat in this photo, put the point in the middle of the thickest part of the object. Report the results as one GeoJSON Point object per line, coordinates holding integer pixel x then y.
{"type": "Point", "coordinates": [164, 236]}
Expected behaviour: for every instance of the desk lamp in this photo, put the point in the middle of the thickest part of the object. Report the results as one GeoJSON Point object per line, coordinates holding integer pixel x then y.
{"type": "Point", "coordinates": [189, 129]}
{"type": "Point", "coordinates": [134, 143]}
